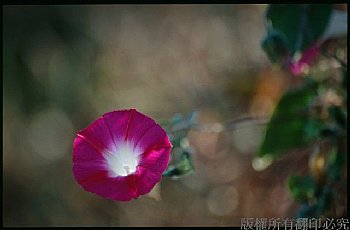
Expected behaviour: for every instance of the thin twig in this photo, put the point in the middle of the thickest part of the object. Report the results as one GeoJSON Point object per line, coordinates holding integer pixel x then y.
{"type": "Point", "coordinates": [342, 63]}
{"type": "Point", "coordinates": [220, 127]}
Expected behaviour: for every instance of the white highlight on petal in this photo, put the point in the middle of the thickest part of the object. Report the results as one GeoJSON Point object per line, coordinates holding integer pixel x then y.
{"type": "Point", "coordinates": [123, 160]}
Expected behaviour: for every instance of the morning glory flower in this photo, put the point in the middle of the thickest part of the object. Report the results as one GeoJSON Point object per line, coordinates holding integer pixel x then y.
{"type": "Point", "coordinates": [121, 155]}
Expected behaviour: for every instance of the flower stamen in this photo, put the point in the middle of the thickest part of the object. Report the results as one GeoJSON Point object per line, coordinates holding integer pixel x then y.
{"type": "Point", "coordinates": [127, 169]}
{"type": "Point", "coordinates": [123, 160]}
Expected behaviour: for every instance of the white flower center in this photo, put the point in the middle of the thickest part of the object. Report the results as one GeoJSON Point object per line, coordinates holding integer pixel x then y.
{"type": "Point", "coordinates": [123, 160]}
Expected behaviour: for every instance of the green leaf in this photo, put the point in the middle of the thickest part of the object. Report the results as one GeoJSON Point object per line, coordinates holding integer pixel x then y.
{"type": "Point", "coordinates": [183, 167]}
{"type": "Point", "coordinates": [338, 115]}
{"type": "Point", "coordinates": [275, 46]}
{"type": "Point", "coordinates": [312, 129]}
{"type": "Point", "coordinates": [176, 119]}
{"type": "Point", "coordinates": [306, 211]}
{"type": "Point", "coordinates": [335, 164]}
{"type": "Point", "coordinates": [192, 118]}
{"type": "Point", "coordinates": [302, 188]}
{"type": "Point", "coordinates": [287, 128]}
{"type": "Point", "coordinates": [302, 24]}
{"type": "Point", "coordinates": [324, 201]}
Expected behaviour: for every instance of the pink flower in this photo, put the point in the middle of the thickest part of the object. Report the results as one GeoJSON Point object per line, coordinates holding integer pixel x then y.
{"type": "Point", "coordinates": [337, 27]}
{"type": "Point", "coordinates": [308, 56]}
{"type": "Point", "coordinates": [121, 155]}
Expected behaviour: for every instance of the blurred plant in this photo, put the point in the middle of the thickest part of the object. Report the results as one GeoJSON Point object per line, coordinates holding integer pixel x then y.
{"type": "Point", "coordinates": [181, 162]}
{"type": "Point", "coordinates": [178, 128]}
{"type": "Point", "coordinates": [314, 113]}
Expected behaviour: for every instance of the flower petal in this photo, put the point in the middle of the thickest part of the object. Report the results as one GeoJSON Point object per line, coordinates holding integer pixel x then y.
{"type": "Point", "coordinates": [118, 123]}
{"type": "Point", "coordinates": [98, 135]}
{"type": "Point", "coordinates": [118, 188]}
{"type": "Point", "coordinates": [92, 174]}
{"type": "Point", "coordinates": [139, 124]}
{"type": "Point", "coordinates": [122, 188]}
{"type": "Point", "coordinates": [151, 167]}
{"type": "Point", "coordinates": [309, 55]}
{"type": "Point", "coordinates": [86, 154]}
{"type": "Point", "coordinates": [154, 136]}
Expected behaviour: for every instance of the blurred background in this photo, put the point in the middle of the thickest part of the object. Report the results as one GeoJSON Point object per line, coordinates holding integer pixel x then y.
{"type": "Point", "coordinates": [64, 66]}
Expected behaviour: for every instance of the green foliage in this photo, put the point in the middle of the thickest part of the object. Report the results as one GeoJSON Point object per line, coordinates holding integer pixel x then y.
{"type": "Point", "coordinates": [183, 166]}
{"type": "Point", "coordinates": [320, 196]}
{"type": "Point", "coordinates": [302, 115]}
{"type": "Point", "coordinates": [324, 200]}
{"type": "Point", "coordinates": [312, 129]}
{"type": "Point", "coordinates": [336, 162]}
{"type": "Point", "coordinates": [339, 116]}
{"type": "Point", "coordinates": [274, 45]}
{"type": "Point", "coordinates": [336, 125]}
{"type": "Point", "coordinates": [306, 211]}
{"type": "Point", "coordinates": [290, 126]}
{"type": "Point", "coordinates": [315, 209]}
{"type": "Point", "coordinates": [302, 188]}
{"type": "Point", "coordinates": [181, 162]}
{"type": "Point", "coordinates": [301, 24]}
